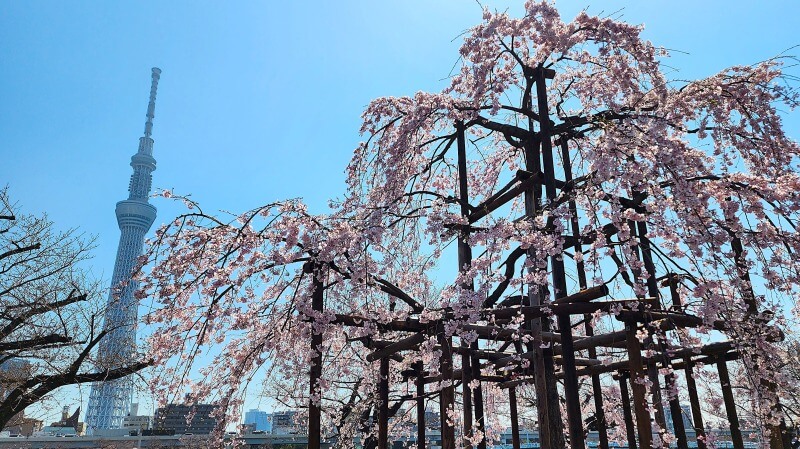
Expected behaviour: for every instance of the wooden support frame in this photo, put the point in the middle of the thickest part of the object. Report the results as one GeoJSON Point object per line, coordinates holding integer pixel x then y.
{"type": "Point", "coordinates": [547, 346]}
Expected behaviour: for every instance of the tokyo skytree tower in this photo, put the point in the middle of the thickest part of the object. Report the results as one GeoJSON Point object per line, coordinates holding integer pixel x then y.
{"type": "Point", "coordinates": [110, 401]}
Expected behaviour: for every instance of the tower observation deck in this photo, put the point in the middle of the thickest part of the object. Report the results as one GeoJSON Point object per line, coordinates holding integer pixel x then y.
{"type": "Point", "coordinates": [110, 401]}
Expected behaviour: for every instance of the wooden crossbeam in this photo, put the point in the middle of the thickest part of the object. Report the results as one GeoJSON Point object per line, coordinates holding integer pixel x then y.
{"type": "Point", "coordinates": [458, 374]}
{"type": "Point", "coordinates": [497, 333]}
{"type": "Point", "coordinates": [585, 295]}
{"type": "Point", "coordinates": [530, 312]}
{"type": "Point", "coordinates": [494, 333]}
{"type": "Point", "coordinates": [570, 305]}
{"type": "Point", "coordinates": [402, 345]}
{"type": "Point", "coordinates": [407, 325]}
{"type": "Point", "coordinates": [609, 339]}
{"type": "Point", "coordinates": [582, 361]}
{"type": "Point", "coordinates": [711, 349]}
{"type": "Point", "coordinates": [707, 360]}
{"type": "Point", "coordinates": [523, 179]}
{"type": "Point", "coordinates": [527, 380]}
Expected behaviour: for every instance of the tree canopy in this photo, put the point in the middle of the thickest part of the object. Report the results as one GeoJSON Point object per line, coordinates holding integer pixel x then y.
{"type": "Point", "coordinates": [50, 312]}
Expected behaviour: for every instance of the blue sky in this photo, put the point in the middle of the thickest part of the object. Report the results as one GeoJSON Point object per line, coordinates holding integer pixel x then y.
{"type": "Point", "coordinates": [262, 100]}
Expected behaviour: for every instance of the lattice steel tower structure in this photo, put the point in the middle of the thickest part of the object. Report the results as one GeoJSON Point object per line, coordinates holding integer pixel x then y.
{"type": "Point", "coordinates": [110, 401]}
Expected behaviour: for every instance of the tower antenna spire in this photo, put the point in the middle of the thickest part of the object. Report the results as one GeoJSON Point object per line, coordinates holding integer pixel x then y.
{"type": "Point", "coordinates": [151, 106]}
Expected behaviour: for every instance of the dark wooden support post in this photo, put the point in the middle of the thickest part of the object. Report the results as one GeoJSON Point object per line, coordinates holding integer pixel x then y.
{"type": "Point", "coordinates": [647, 259]}
{"type": "Point", "coordinates": [466, 392]}
{"type": "Point", "coordinates": [639, 229]}
{"type": "Point", "coordinates": [672, 279]}
{"type": "Point", "coordinates": [779, 437]}
{"type": "Point", "coordinates": [315, 371]}
{"type": "Point", "coordinates": [626, 411]}
{"type": "Point", "coordinates": [694, 403]}
{"type": "Point", "coordinates": [464, 261]}
{"type": "Point", "coordinates": [676, 412]}
{"type": "Point", "coordinates": [512, 405]}
{"type": "Point", "coordinates": [383, 405]}
{"type": "Point", "coordinates": [571, 387]}
{"type": "Point", "coordinates": [420, 384]}
{"type": "Point", "coordinates": [669, 379]}
{"type": "Point", "coordinates": [730, 404]}
{"type": "Point", "coordinates": [446, 395]}
{"type": "Point", "coordinates": [536, 326]}
{"type": "Point", "coordinates": [691, 385]}
{"type": "Point", "coordinates": [637, 374]}
{"type": "Point", "coordinates": [655, 393]}
{"type": "Point", "coordinates": [597, 388]}
{"type": "Point", "coordinates": [478, 395]}
{"type": "Point", "coordinates": [597, 395]}
{"type": "Point", "coordinates": [541, 362]}
{"type": "Point", "coordinates": [543, 368]}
